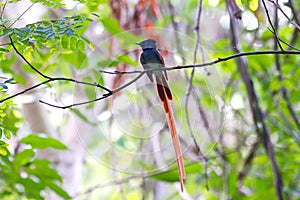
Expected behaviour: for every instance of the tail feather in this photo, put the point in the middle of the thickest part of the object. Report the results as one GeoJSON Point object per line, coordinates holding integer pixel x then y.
{"type": "Point", "coordinates": [160, 91]}
{"type": "Point", "coordinates": [165, 96]}
{"type": "Point", "coordinates": [167, 89]}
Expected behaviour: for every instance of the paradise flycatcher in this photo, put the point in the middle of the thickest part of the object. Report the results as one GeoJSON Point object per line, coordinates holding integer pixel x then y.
{"type": "Point", "coordinates": [152, 59]}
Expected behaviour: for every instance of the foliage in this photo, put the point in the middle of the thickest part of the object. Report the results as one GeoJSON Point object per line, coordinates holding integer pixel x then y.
{"type": "Point", "coordinates": [51, 3]}
{"type": "Point", "coordinates": [22, 174]}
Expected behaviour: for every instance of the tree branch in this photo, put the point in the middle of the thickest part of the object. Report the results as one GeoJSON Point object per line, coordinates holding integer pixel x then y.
{"type": "Point", "coordinates": [271, 24]}
{"type": "Point", "coordinates": [257, 115]}
{"type": "Point", "coordinates": [219, 60]}
{"type": "Point", "coordinates": [287, 17]}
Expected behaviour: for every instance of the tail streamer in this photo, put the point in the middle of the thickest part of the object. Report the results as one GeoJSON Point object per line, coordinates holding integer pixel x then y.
{"type": "Point", "coordinates": [165, 97]}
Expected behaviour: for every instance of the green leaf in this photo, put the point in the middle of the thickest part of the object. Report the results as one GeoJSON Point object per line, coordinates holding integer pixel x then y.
{"type": "Point", "coordinates": [7, 133]}
{"type": "Point", "coordinates": [58, 190]}
{"type": "Point", "coordinates": [172, 175]}
{"type": "Point", "coordinates": [3, 151]}
{"type": "Point", "coordinates": [4, 87]}
{"type": "Point", "coordinates": [81, 116]}
{"type": "Point", "coordinates": [24, 157]}
{"type": "Point", "coordinates": [111, 25]}
{"type": "Point", "coordinates": [167, 176]}
{"type": "Point", "coordinates": [73, 42]}
{"type": "Point", "coordinates": [80, 45]}
{"type": "Point", "coordinates": [10, 123]}
{"type": "Point", "coordinates": [126, 59]}
{"type": "Point", "coordinates": [89, 43]}
{"type": "Point", "coordinates": [32, 188]}
{"type": "Point", "coordinates": [78, 59]}
{"type": "Point", "coordinates": [42, 170]}
{"type": "Point", "coordinates": [42, 142]}
{"type": "Point", "coordinates": [4, 50]}
{"type": "Point", "coordinates": [11, 81]}
{"type": "Point", "coordinates": [6, 32]}
{"type": "Point", "coordinates": [65, 42]}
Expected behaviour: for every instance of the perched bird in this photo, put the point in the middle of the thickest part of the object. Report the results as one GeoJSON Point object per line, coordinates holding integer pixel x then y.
{"type": "Point", "coordinates": [152, 59]}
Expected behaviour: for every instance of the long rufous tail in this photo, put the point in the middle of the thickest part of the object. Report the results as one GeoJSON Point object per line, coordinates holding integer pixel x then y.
{"type": "Point", "coordinates": [165, 97]}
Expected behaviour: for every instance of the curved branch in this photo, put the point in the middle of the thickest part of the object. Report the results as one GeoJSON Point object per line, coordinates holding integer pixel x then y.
{"type": "Point", "coordinates": [219, 60]}
{"type": "Point", "coordinates": [49, 79]}
{"type": "Point", "coordinates": [104, 96]}
{"type": "Point", "coordinates": [110, 92]}
{"type": "Point", "coordinates": [272, 26]}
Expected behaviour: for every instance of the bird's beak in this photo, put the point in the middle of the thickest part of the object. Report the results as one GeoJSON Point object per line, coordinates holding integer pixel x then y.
{"type": "Point", "coordinates": [138, 43]}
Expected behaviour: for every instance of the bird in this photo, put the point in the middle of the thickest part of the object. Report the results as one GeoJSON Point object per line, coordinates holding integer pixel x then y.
{"type": "Point", "coordinates": [150, 58]}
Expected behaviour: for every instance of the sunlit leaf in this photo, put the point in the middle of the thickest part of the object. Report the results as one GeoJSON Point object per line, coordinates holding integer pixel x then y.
{"type": "Point", "coordinates": [42, 142]}
{"type": "Point", "coordinates": [82, 116]}
{"type": "Point", "coordinates": [23, 157]}
{"type": "Point", "coordinates": [58, 190]}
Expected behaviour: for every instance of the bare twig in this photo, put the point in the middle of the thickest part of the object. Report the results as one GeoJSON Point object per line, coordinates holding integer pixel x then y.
{"type": "Point", "coordinates": [271, 24]}
{"type": "Point", "coordinates": [49, 79]}
{"type": "Point", "coordinates": [104, 96]}
{"type": "Point", "coordinates": [287, 122]}
{"type": "Point", "coordinates": [257, 115]}
{"type": "Point", "coordinates": [192, 90]}
{"type": "Point", "coordinates": [23, 58]}
{"type": "Point", "coordinates": [247, 164]}
{"type": "Point", "coordinates": [3, 8]}
{"type": "Point", "coordinates": [296, 24]}
{"type": "Point", "coordinates": [236, 11]}
{"type": "Point", "coordinates": [284, 90]}
{"type": "Point", "coordinates": [291, 109]}
{"type": "Point", "coordinates": [120, 72]}
{"type": "Point", "coordinates": [19, 17]}
{"type": "Point", "coordinates": [175, 26]}
{"type": "Point", "coordinates": [219, 60]}
{"type": "Point", "coordinates": [295, 14]}
{"type": "Point", "coordinates": [198, 38]}
{"type": "Point", "coordinates": [287, 44]}
{"type": "Point", "coordinates": [292, 6]}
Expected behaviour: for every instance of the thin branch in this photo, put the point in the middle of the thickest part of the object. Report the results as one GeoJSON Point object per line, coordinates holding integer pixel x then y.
{"type": "Point", "coordinates": [291, 109]}
{"type": "Point", "coordinates": [154, 69]}
{"type": "Point", "coordinates": [30, 65]}
{"type": "Point", "coordinates": [175, 26]}
{"type": "Point", "coordinates": [236, 11]}
{"type": "Point", "coordinates": [284, 42]}
{"type": "Point", "coordinates": [287, 122]}
{"type": "Point", "coordinates": [219, 60]}
{"type": "Point", "coordinates": [191, 90]}
{"type": "Point", "coordinates": [247, 164]}
{"type": "Point", "coordinates": [280, 76]}
{"type": "Point", "coordinates": [271, 24]}
{"type": "Point", "coordinates": [51, 80]}
{"type": "Point", "coordinates": [257, 114]}
{"type": "Point", "coordinates": [104, 96]}
{"type": "Point", "coordinates": [3, 8]}
{"type": "Point", "coordinates": [198, 38]}
{"type": "Point", "coordinates": [120, 72]}
{"type": "Point", "coordinates": [295, 14]}
{"type": "Point", "coordinates": [292, 6]}
{"type": "Point", "coordinates": [287, 17]}
{"type": "Point", "coordinates": [19, 17]}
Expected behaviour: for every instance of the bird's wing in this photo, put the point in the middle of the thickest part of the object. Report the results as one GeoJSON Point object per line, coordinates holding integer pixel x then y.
{"type": "Point", "coordinates": [159, 56]}
{"type": "Point", "coordinates": [146, 66]}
